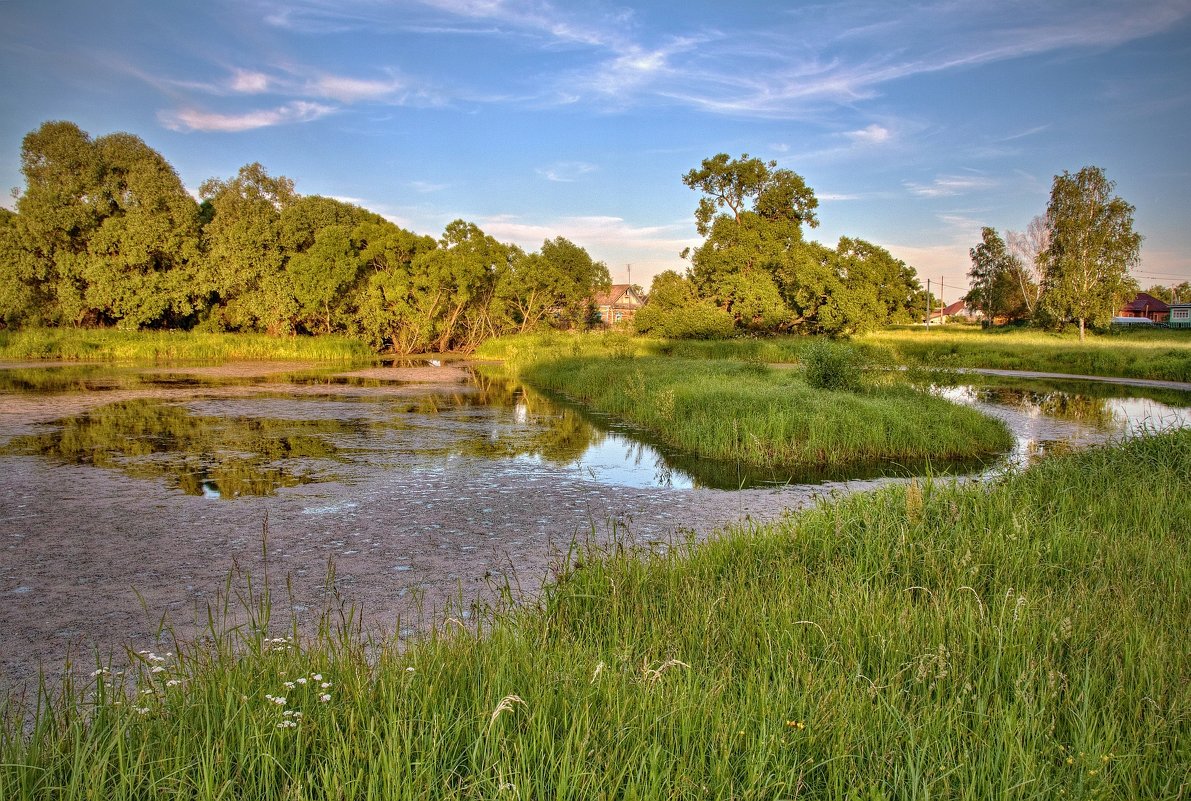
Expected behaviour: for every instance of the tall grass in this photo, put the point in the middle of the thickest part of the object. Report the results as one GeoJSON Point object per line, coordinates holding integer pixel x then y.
{"type": "Point", "coordinates": [1020, 640]}
{"type": "Point", "coordinates": [1161, 354]}
{"type": "Point", "coordinates": [747, 412]}
{"type": "Point", "coordinates": [113, 345]}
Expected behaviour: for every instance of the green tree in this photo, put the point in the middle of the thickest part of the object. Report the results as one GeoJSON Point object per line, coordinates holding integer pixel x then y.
{"type": "Point", "coordinates": [140, 270]}
{"type": "Point", "coordinates": [1092, 248]}
{"type": "Point", "coordinates": [995, 280]}
{"type": "Point", "coordinates": [751, 215]}
{"type": "Point", "coordinates": [558, 281]}
{"type": "Point", "coordinates": [244, 261]}
{"type": "Point", "coordinates": [674, 310]}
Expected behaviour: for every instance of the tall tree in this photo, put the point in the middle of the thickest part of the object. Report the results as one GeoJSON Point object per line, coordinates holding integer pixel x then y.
{"type": "Point", "coordinates": [1092, 248]}
{"type": "Point", "coordinates": [995, 282]}
{"type": "Point", "coordinates": [1028, 246]}
{"type": "Point", "coordinates": [751, 215]}
{"type": "Point", "coordinates": [244, 264]}
{"type": "Point", "coordinates": [560, 280]}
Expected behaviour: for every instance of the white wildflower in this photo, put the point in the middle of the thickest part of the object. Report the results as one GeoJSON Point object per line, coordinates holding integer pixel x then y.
{"type": "Point", "coordinates": [324, 698]}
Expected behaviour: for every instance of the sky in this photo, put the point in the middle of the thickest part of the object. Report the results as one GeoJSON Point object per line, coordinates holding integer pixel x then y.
{"type": "Point", "coordinates": [915, 123]}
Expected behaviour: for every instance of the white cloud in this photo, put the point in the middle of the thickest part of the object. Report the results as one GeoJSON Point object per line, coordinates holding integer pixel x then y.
{"type": "Point", "coordinates": [249, 82]}
{"type": "Point", "coordinates": [191, 119]}
{"type": "Point", "coordinates": [950, 185]}
{"type": "Point", "coordinates": [565, 171]}
{"type": "Point", "coordinates": [352, 90]}
{"type": "Point", "coordinates": [872, 135]}
{"type": "Point", "coordinates": [426, 187]}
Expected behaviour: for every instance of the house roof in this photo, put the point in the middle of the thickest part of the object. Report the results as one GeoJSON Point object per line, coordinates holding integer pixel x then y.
{"type": "Point", "coordinates": [1145, 301]}
{"type": "Point", "coordinates": [954, 308]}
{"type": "Point", "coordinates": [614, 295]}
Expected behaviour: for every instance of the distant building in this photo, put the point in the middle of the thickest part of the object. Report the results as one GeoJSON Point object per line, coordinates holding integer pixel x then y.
{"type": "Point", "coordinates": [956, 311]}
{"type": "Point", "coordinates": [617, 305]}
{"type": "Point", "coordinates": [1180, 315]}
{"type": "Point", "coordinates": [1148, 306]}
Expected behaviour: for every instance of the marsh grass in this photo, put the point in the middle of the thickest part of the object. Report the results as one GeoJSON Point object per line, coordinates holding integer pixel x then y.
{"type": "Point", "coordinates": [1160, 354]}
{"type": "Point", "coordinates": [1021, 639]}
{"type": "Point", "coordinates": [112, 345]}
{"type": "Point", "coordinates": [748, 412]}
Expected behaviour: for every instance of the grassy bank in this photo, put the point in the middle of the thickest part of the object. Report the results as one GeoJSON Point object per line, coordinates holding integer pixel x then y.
{"type": "Point", "coordinates": [1019, 640]}
{"type": "Point", "coordinates": [111, 345]}
{"type": "Point", "coordinates": [739, 411]}
{"type": "Point", "coordinates": [1161, 354]}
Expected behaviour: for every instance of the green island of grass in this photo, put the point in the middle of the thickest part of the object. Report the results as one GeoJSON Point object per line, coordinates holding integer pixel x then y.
{"type": "Point", "coordinates": [1024, 638]}
{"type": "Point", "coordinates": [758, 415]}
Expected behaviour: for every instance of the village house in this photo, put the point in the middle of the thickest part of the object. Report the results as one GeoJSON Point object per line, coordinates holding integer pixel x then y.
{"type": "Point", "coordinates": [956, 311]}
{"type": "Point", "coordinates": [1180, 315]}
{"type": "Point", "coordinates": [1147, 306]}
{"type": "Point", "coordinates": [617, 305]}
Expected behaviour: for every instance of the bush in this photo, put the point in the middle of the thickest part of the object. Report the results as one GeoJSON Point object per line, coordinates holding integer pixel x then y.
{"type": "Point", "coordinates": [695, 321]}
{"type": "Point", "coordinates": [831, 365]}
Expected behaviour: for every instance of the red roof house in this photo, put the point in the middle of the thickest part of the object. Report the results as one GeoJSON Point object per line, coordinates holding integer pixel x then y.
{"type": "Point", "coordinates": [1147, 306]}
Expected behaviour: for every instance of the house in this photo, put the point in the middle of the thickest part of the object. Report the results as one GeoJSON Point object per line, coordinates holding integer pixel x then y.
{"type": "Point", "coordinates": [1180, 315]}
{"type": "Point", "coordinates": [957, 310]}
{"type": "Point", "coordinates": [617, 305]}
{"type": "Point", "coordinates": [1148, 306]}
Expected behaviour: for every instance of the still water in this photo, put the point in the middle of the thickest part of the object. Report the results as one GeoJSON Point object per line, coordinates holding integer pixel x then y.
{"type": "Point", "coordinates": [127, 496]}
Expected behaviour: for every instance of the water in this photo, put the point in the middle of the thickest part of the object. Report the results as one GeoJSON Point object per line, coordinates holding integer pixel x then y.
{"type": "Point", "coordinates": [127, 496]}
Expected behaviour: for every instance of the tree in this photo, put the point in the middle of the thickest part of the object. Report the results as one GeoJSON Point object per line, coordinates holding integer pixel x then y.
{"type": "Point", "coordinates": [674, 310]}
{"type": "Point", "coordinates": [995, 279]}
{"type": "Point", "coordinates": [1028, 246]}
{"type": "Point", "coordinates": [752, 216]}
{"type": "Point", "coordinates": [1092, 248]}
{"type": "Point", "coordinates": [559, 281]}
{"type": "Point", "coordinates": [244, 263]}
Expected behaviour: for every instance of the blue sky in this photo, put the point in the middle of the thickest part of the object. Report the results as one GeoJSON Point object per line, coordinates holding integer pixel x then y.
{"type": "Point", "coordinates": [915, 124]}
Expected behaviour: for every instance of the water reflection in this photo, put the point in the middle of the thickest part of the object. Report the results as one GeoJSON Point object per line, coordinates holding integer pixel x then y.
{"type": "Point", "coordinates": [1054, 417]}
{"type": "Point", "coordinates": [222, 443]}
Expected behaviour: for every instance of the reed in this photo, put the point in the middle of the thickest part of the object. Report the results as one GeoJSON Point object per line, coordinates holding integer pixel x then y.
{"type": "Point", "coordinates": [748, 412]}
{"type": "Point", "coordinates": [1023, 639]}
{"type": "Point", "coordinates": [113, 345]}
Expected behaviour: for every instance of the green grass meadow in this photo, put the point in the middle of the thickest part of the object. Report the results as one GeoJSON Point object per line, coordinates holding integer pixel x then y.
{"type": "Point", "coordinates": [1021, 639]}
{"type": "Point", "coordinates": [1159, 354]}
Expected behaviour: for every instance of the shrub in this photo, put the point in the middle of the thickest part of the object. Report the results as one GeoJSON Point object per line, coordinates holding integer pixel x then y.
{"type": "Point", "coordinates": [831, 365]}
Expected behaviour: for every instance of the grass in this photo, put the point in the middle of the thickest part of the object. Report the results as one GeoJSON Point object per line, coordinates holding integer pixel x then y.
{"type": "Point", "coordinates": [112, 345]}
{"type": "Point", "coordinates": [1024, 639]}
{"type": "Point", "coordinates": [747, 412]}
{"type": "Point", "coordinates": [1160, 354]}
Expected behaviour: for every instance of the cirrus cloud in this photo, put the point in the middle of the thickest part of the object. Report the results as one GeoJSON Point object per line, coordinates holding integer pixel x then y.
{"type": "Point", "coordinates": [192, 119]}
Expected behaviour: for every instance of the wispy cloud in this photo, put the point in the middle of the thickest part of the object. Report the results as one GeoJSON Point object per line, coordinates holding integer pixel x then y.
{"type": "Point", "coordinates": [872, 135]}
{"type": "Point", "coordinates": [192, 119]}
{"type": "Point", "coordinates": [565, 171]}
{"type": "Point", "coordinates": [951, 185]}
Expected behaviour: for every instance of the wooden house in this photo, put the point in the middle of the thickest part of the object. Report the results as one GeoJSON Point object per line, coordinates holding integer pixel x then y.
{"type": "Point", "coordinates": [617, 305]}
{"type": "Point", "coordinates": [1147, 306]}
{"type": "Point", "coordinates": [1180, 315]}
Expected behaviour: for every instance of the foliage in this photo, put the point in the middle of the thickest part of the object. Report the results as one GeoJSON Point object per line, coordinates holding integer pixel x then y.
{"type": "Point", "coordinates": [996, 282]}
{"type": "Point", "coordinates": [1092, 248]}
{"type": "Point", "coordinates": [931, 639]}
{"type": "Point", "coordinates": [113, 345]}
{"type": "Point", "coordinates": [755, 265]}
{"type": "Point", "coordinates": [106, 235]}
{"type": "Point", "coordinates": [675, 311]}
{"type": "Point", "coordinates": [831, 365]}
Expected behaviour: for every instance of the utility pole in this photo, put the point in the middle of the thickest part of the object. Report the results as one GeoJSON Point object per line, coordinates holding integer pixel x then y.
{"type": "Point", "coordinates": [628, 271]}
{"type": "Point", "coordinates": [928, 304]}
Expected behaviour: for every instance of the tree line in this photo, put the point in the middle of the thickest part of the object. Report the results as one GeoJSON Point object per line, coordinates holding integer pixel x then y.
{"type": "Point", "coordinates": [756, 272]}
{"type": "Point", "coordinates": [105, 234]}
{"type": "Point", "coordinates": [1070, 266]}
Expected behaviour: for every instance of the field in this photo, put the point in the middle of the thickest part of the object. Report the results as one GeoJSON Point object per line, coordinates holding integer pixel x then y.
{"type": "Point", "coordinates": [1161, 354]}
{"type": "Point", "coordinates": [1024, 639]}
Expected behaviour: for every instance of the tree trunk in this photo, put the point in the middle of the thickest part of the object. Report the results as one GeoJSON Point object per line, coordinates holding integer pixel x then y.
{"type": "Point", "coordinates": [1081, 329]}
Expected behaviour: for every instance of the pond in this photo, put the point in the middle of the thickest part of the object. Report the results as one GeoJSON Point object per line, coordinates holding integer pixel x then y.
{"type": "Point", "coordinates": [127, 496]}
